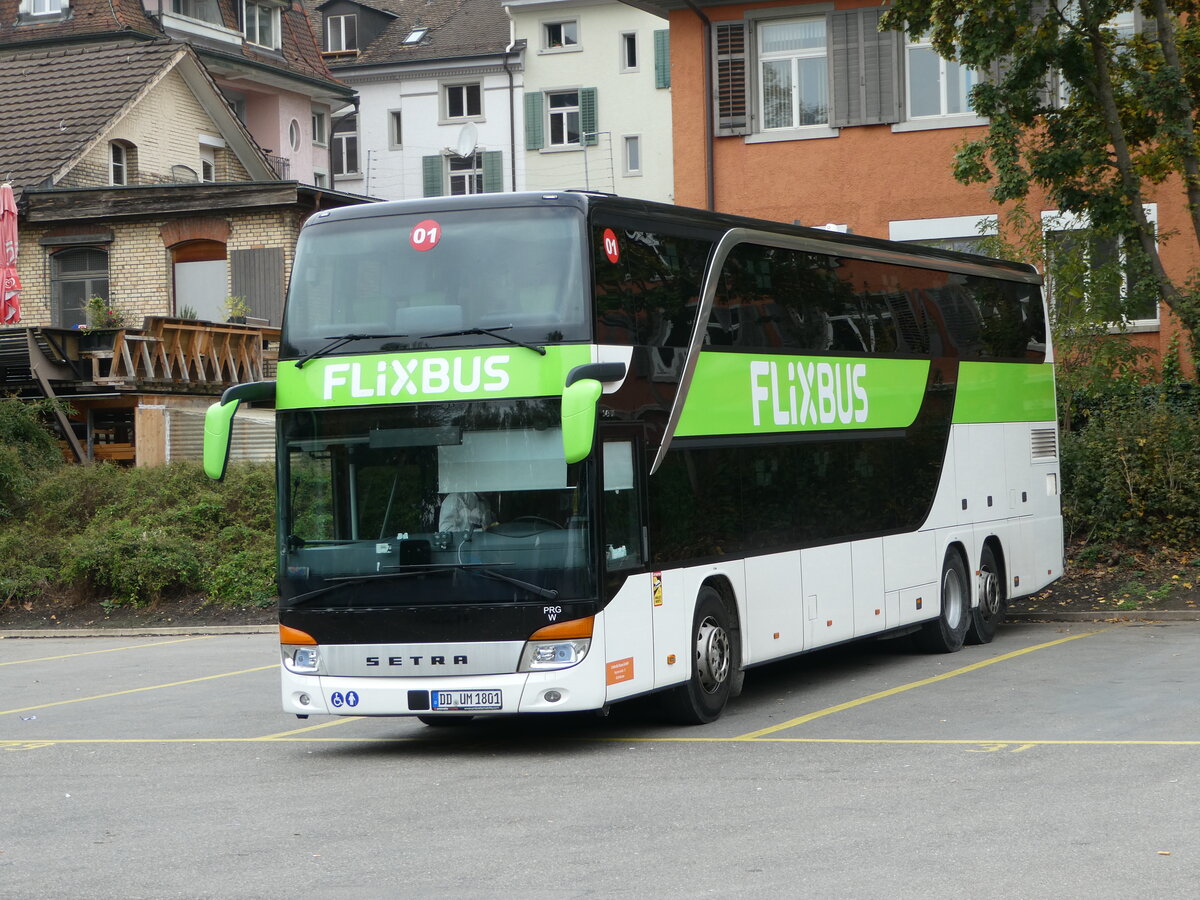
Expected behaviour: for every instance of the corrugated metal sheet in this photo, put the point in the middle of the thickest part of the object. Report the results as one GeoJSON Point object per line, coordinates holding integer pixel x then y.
{"type": "Point", "coordinates": [253, 434]}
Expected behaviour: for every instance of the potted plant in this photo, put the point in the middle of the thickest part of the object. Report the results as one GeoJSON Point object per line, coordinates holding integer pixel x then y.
{"type": "Point", "coordinates": [236, 309]}
{"type": "Point", "coordinates": [103, 323]}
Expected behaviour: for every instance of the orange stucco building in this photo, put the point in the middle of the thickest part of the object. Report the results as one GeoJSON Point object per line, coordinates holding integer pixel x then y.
{"type": "Point", "coordinates": [803, 112]}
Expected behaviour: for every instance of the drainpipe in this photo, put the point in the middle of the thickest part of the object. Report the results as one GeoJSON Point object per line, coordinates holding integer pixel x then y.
{"type": "Point", "coordinates": [709, 181]}
{"type": "Point", "coordinates": [512, 99]}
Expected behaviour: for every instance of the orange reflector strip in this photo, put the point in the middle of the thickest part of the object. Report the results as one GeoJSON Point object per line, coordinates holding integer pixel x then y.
{"type": "Point", "coordinates": [575, 628]}
{"type": "Point", "coordinates": [289, 635]}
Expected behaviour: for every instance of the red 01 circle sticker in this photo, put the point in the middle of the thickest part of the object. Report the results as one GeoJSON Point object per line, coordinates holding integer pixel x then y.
{"type": "Point", "coordinates": [611, 248]}
{"type": "Point", "coordinates": [425, 235]}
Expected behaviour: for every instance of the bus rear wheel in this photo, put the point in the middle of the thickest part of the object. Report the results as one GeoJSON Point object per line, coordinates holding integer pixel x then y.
{"type": "Point", "coordinates": [993, 599]}
{"type": "Point", "coordinates": [715, 661]}
{"type": "Point", "coordinates": [948, 632]}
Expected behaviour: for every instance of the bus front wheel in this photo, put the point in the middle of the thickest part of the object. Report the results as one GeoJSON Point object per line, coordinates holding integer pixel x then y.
{"type": "Point", "coordinates": [948, 631]}
{"type": "Point", "coordinates": [993, 599]}
{"type": "Point", "coordinates": [715, 661]}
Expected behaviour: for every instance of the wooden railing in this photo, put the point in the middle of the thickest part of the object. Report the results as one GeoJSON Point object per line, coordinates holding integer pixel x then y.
{"type": "Point", "coordinates": [180, 352]}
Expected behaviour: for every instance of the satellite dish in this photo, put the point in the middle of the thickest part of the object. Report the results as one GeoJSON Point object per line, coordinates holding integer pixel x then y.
{"type": "Point", "coordinates": [468, 137]}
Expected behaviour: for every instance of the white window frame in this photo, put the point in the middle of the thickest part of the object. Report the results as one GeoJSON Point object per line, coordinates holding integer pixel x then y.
{"type": "Point", "coordinates": [118, 164]}
{"type": "Point", "coordinates": [565, 112]}
{"type": "Point", "coordinates": [320, 128]}
{"type": "Point", "coordinates": [253, 32]}
{"type": "Point", "coordinates": [636, 141]}
{"type": "Point", "coordinates": [761, 59]}
{"type": "Point", "coordinates": [208, 163]}
{"type": "Point", "coordinates": [320, 178]}
{"type": "Point", "coordinates": [943, 229]}
{"type": "Point", "coordinates": [1055, 221]}
{"type": "Point", "coordinates": [43, 8]}
{"type": "Point", "coordinates": [336, 25]}
{"type": "Point", "coordinates": [628, 40]}
{"type": "Point", "coordinates": [942, 119]}
{"type": "Point", "coordinates": [470, 173]}
{"type": "Point", "coordinates": [564, 47]}
{"type": "Point", "coordinates": [467, 115]}
{"type": "Point", "coordinates": [295, 135]}
{"type": "Point", "coordinates": [338, 141]}
{"type": "Point", "coordinates": [395, 129]}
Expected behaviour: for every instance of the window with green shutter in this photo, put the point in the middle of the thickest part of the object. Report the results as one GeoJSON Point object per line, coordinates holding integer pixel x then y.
{"type": "Point", "coordinates": [493, 171]}
{"type": "Point", "coordinates": [662, 58]}
{"type": "Point", "coordinates": [431, 175]}
{"type": "Point", "coordinates": [588, 122]}
{"type": "Point", "coordinates": [533, 121]}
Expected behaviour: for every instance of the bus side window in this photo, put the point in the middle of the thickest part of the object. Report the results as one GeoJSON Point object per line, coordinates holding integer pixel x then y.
{"type": "Point", "coordinates": [622, 526]}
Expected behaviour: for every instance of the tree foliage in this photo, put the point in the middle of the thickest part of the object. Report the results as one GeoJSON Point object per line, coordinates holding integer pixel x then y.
{"type": "Point", "coordinates": [1078, 109]}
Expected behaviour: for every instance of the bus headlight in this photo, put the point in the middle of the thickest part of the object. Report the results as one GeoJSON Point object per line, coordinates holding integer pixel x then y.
{"type": "Point", "coordinates": [540, 656]}
{"type": "Point", "coordinates": [301, 660]}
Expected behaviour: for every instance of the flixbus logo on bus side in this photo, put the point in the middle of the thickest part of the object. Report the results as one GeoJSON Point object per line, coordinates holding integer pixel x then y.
{"type": "Point", "coordinates": [817, 393]}
{"type": "Point", "coordinates": [421, 376]}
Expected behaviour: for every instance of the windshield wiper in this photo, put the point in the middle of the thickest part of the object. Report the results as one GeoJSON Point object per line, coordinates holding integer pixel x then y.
{"type": "Point", "coordinates": [490, 332]}
{"type": "Point", "coordinates": [350, 580]}
{"type": "Point", "coordinates": [423, 569]}
{"type": "Point", "coordinates": [546, 593]}
{"type": "Point", "coordinates": [337, 340]}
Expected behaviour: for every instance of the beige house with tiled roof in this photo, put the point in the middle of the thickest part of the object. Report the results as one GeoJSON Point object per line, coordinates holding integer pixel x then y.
{"type": "Point", "coordinates": [138, 184]}
{"type": "Point", "coordinates": [260, 53]}
{"type": "Point", "coordinates": [439, 93]}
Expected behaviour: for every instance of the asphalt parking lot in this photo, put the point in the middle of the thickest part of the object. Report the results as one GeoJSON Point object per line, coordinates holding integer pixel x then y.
{"type": "Point", "coordinates": [1060, 760]}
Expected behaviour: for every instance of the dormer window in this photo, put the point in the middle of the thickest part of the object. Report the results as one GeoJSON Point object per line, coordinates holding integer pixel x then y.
{"type": "Point", "coordinates": [341, 33]}
{"type": "Point", "coordinates": [204, 10]}
{"type": "Point", "coordinates": [260, 22]}
{"type": "Point", "coordinates": [416, 35]}
{"type": "Point", "coordinates": [43, 7]}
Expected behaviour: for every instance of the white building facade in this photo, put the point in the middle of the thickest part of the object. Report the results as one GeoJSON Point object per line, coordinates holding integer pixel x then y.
{"type": "Point", "coordinates": [596, 113]}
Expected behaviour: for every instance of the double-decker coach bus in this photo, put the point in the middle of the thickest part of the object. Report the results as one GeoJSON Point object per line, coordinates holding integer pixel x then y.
{"type": "Point", "coordinates": [546, 452]}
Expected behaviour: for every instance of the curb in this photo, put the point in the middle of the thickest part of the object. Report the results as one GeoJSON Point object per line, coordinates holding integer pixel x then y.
{"type": "Point", "coordinates": [141, 631]}
{"type": "Point", "coordinates": [1105, 615]}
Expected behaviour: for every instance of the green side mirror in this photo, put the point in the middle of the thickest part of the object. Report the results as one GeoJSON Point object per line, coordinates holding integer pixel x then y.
{"type": "Point", "coordinates": [218, 435]}
{"type": "Point", "coordinates": [579, 418]}
{"type": "Point", "coordinates": [218, 423]}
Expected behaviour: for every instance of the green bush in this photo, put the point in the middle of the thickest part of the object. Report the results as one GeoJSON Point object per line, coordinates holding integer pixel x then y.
{"type": "Point", "coordinates": [133, 536]}
{"type": "Point", "coordinates": [1131, 471]}
{"type": "Point", "coordinates": [27, 452]}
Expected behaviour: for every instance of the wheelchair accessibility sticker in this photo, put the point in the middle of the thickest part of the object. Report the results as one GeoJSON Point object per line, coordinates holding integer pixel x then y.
{"type": "Point", "coordinates": [350, 698]}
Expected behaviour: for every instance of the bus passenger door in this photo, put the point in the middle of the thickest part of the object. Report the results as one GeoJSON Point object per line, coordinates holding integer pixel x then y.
{"type": "Point", "coordinates": [628, 623]}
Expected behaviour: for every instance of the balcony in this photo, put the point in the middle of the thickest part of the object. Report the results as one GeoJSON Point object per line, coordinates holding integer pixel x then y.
{"type": "Point", "coordinates": [282, 166]}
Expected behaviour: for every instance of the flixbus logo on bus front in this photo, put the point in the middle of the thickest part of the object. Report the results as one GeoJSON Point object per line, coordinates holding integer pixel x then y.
{"type": "Point", "coordinates": [817, 393]}
{"type": "Point", "coordinates": [414, 377]}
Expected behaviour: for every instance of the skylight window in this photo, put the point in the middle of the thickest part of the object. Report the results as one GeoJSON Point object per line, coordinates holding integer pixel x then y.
{"type": "Point", "coordinates": [415, 36]}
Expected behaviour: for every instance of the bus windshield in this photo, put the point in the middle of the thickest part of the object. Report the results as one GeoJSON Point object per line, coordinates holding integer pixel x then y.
{"type": "Point", "coordinates": [434, 504]}
{"type": "Point", "coordinates": [419, 280]}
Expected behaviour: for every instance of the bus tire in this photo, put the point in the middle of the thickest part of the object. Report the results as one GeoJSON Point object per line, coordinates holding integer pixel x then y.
{"type": "Point", "coordinates": [445, 721]}
{"type": "Point", "coordinates": [993, 599]}
{"type": "Point", "coordinates": [715, 661]}
{"type": "Point", "coordinates": [948, 632]}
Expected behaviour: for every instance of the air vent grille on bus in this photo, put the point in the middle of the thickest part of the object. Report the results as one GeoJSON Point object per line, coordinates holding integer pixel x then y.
{"type": "Point", "coordinates": [1044, 443]}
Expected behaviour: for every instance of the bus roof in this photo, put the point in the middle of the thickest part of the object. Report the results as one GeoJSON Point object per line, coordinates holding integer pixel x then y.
{"type": "Point", "coordinates": [718, 222]}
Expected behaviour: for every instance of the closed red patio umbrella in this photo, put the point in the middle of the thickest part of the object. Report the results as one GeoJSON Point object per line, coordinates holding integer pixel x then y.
{"type": "Point", "coordinates": [10, 282]}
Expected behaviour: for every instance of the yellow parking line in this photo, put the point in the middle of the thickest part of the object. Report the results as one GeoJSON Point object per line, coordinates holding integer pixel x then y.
{"type": "Point", "coordinates": [18, 662]}
{"type": "Point", "coordinates": [891, 692]}
{"type": "Point", "coordinates": [307, 728]}
{"type": "Point", "coordinates": [151, 687]}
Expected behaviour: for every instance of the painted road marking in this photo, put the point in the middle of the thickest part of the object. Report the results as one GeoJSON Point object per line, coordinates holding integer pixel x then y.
{"type": "Point", "coordinates": [149, 687]}
{"type": "Point", "coordinates": [891, 692]}
{"type": "Point", "coordinates": [986, 746]}
{"type": "Point", "coordinates": [18, 662]}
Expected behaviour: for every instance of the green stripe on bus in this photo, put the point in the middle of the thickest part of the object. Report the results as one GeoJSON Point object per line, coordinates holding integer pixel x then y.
{"type": "Point", "coordinates": [1004, 392]}
{"type": "Point", "coordinates": [381, 378]}
{"type": "Point", "coordinates": [746, 393]}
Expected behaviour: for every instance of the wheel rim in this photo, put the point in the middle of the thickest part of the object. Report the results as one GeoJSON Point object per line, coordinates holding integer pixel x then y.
{"type": "Point", "coordinates": [712, 655]}
{"type": "Point", "coordinates": [952, 599]}
{"type": "Point", "coordinates": [989, 589]}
